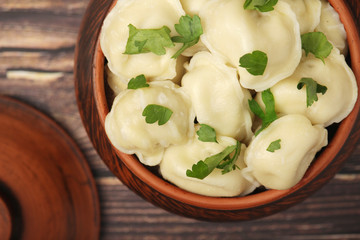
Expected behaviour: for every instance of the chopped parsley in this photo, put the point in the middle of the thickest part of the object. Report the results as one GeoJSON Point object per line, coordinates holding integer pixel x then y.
{"type": "Point", "coordinates": [148, 40]}
{"type": "Point", "coordinates": [260, 5]}
{"type": "Point", "coordinates": [317, 44]}
{"type": "Point", "coordinates": [255, 62]}
{"type": "Point", "coordinates": [137, 82]}
{"type": "Point", "coordinates": [154, 113]}
{"type": "Point", "coordinates": [206, 133]}
{"type": "Point", "coordinates": [221, 160]}
{"type": "Point", "coordinates": [312, 89]}
{"type": "Point", "coordinates": [269, 115]}
{"type": "Point", "coordinates": [190, 30]}
{"type": "Point", "coordinates": [275, 145]}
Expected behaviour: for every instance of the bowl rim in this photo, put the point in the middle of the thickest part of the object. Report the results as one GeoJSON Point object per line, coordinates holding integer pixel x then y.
{"type": "Point", "coordinates": [319, 165]}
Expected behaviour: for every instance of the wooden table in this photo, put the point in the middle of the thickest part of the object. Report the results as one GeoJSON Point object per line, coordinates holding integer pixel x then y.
{"type": "Point", "coordinates": [37, 41]}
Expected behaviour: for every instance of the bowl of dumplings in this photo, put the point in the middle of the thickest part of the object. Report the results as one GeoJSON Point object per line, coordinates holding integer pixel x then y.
{"type": "Point", "coordinates": [228, 110]}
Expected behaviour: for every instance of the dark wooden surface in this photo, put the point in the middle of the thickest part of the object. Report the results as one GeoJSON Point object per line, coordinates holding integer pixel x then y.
{"type": "Point", "coordinates": [37, 41]}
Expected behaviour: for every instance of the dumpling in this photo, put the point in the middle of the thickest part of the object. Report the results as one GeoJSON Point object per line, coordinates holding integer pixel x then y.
{"type": "Point", "coordinates": [191, 51]}
{"type": "Point", "coordinates": [334, 105]}
{"type": "Point", "coordinates": [232, 32]}
{"type": "Point", "coordinates": [180, 70]}
{"type": "Point", "coordinates": [177, 159]}
{"type": "Point", "coordinates": [307, 13]}
{"type": "Point", "coordinates": [143, 15]}
{"type": "Point", "coordinates": [192, 7]}
{"type": "Point", "coordinates": [332, 27]}
{"type": "Point", "coordinates": [116, 84]}
{"type": "Point", "coordinates": [128, 131]}
{"type": "Point", "coordinates": [285, 167]}
{"type": "Point", "coordinates": [218, 99]}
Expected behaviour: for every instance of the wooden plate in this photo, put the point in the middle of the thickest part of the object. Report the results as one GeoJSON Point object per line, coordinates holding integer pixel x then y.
{"type": "Point", "coordinates": [46, 188]}
{"type": "Point", "coordinates": [89, 65]}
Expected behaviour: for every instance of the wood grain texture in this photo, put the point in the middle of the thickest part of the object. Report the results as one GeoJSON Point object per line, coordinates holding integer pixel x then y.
{"type": "Point", "coordinates": [33, 30]}
{"type": "Point", "coordinates": [46, 61]}
{"type": "Point", "coordinates": [325, 214]}
{"type": "Point", "coordinates": [61, 6]}
{"type": "Point", "coordinates": [331, 213]}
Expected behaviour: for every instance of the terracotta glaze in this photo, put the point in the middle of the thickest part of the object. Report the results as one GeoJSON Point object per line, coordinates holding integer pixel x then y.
{"type": "Point", "coordinates": [47, 190]}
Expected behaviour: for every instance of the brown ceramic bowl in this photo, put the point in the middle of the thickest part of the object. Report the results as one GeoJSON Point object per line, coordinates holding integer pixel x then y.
{"type": "Point", "coordinates": [94, 106]}
{"type": "Point", "coordinates": [47, 190]}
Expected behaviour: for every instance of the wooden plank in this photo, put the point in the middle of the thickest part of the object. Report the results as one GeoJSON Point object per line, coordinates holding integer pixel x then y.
{"type": "Point", "coordinates": [352, 164]}
{"type": "Point", "coordinates": [46, 61]}
{"type": "Point", "coordinates": [64, 6]}
{"type": "Point", "coordinates": [333, 211]}
{"type": "Point", "coordinates": [27, 30]}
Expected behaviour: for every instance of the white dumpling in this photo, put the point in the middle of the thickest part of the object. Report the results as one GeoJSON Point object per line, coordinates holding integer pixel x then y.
{"type": "Point", "coordinates": [116, 84]}
{"type": "Point", "coordinates": [334, 105]}
{"type": "Point", "coordinates": [177, 159]}
{"type": "Point", "coordinates": [143, 15]}
{"type": "Point", "coordinates": [332, 27]}
{"type": "Point", "coordinates": [191, 51]}
{"type": "Point", "coordinates": [192, 7]}
{"type": "Point", "coordinates": [217, 97]}
{"type": "Point", "coordinates": [285, 167]}
{"type": "Point", "coordinates": [232, 32]}
{"type": "Point", "coordinates": [128, 131]}
{"type": "Point", "coordinates": [180, 70]}
{"type": "Point", "coordinates": [307, 13]}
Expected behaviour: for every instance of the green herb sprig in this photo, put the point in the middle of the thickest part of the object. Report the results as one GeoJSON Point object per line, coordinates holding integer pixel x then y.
{"type": "Point", "coordinates": [137, 82]}
{"type": "Point", "coordinates": [275, 145]}
{"type": "Point", "coordinates": [255, 62]}
{"type": "Point", "coordinates": [156, 40]}
{"type": "Point", "coordinates": [317, 44]}
{"type": "Point", "coordinates": [157, 113]}
{"type": "Point", "coordinates": [148, 40]}
{"type": "Point", "coordinates": [206, 133]}
{"type": "Point", "coordinates": [190, 30]}
{"type": "Point", "coordinates": [269, 115]}
{"type": "Point", "coordinates": [228, 164]}
{"type": "Point", "coordinates": [260, 5]}
{"type": "Point", "coordinates": [222, 160]}
{"type": "Point", "coordinates": [312, 89]}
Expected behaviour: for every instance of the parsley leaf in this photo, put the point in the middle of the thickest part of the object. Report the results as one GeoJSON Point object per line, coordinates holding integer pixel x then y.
{"type": "Point", "coordinates": [137, 82]}
{"type": "Point", "coordinates": [255, 62]}
{"type": "Point", "coordinates": [312, 89]}
{"type": "Point", "coordinates": [148, 40]}
{"type": "Point", "coordinates": [260, 5]}
{"type": "Point", "coordinates": [202, 169]}
{"type": "Point", "coordinates": [229, 163]}
{"type": "Point", "coordinates": [154, 113]}
{"type": "Point", "coordinates": [190, 30]}
{"type": "Point", "coordinates": [269, 115]}
{"type": "Point", "coordinates": [206, 133]}
{"type": "Point", "coordinates": [275, 145]}
{"type": "Point", "coordinates": [317, 44]}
